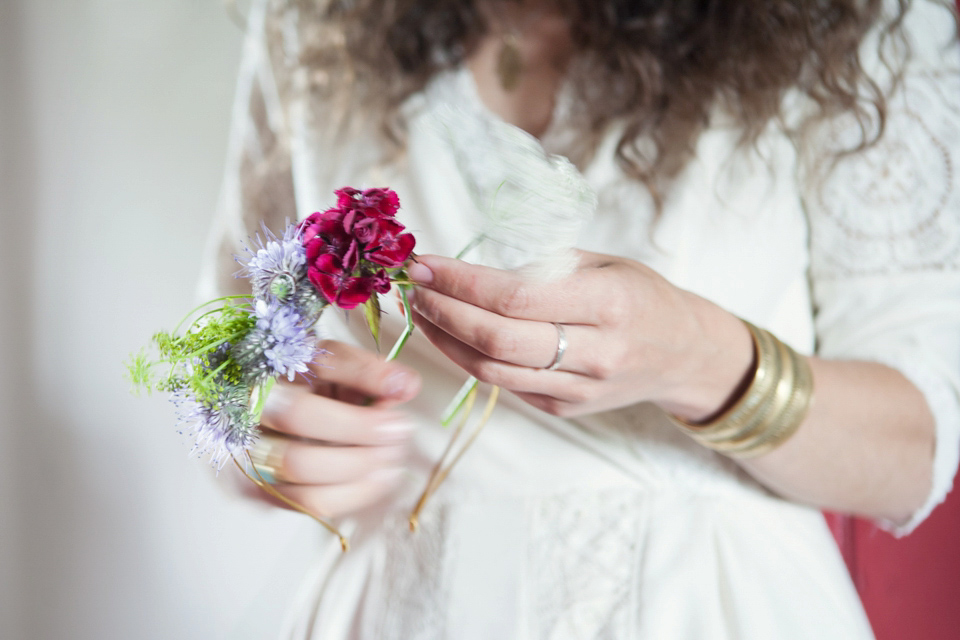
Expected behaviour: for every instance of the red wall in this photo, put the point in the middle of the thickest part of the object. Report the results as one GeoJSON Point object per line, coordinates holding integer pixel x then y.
{"type": "Point", "coordinates": [910, 587]}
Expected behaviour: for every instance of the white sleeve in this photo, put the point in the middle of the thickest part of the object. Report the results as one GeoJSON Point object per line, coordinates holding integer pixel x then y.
{"type": "Point", "coordinates": [258, 184]}
{"type": "Point", "coordinates": [885, 241]}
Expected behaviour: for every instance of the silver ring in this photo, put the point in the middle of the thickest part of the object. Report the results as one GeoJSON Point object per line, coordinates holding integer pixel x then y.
{"type": "Point", "coordinates": [561, 347]}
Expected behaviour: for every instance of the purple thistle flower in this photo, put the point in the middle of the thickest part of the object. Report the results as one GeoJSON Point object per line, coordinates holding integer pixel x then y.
{"type": "Point", "coordinates": [280, 344]}
{"type": "Point", "coordinates": [223, 429]}
{"type": "Point", "coordinates": [277, 264]}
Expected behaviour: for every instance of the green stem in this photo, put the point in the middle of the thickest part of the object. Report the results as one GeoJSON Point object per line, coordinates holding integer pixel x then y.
{"type": "Point", "coordinates": [210, 375]}
{"type": "Point", "coordinates": [205, 304]}
{"type": "Point", "coordinates": [407, 330]}
{"type": "Point", "coordinates": [456, 404]}
{"type": "Point", "coordinates": [470, 245]}
{"type": "Point", "coordinates": [197, 320]}
{"type": "Point", "coordinates": [174, 362]}
{"type": "Point", "coordinates": [262, 394]}
{"type": "Point", "coordinates": [207, 347]}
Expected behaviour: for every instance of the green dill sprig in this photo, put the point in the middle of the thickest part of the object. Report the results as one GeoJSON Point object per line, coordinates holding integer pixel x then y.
{"type": "Point", "coordinates": [197, 359]}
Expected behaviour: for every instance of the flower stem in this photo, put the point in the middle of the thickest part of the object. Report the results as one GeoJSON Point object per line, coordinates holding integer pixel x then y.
{"type": "Point", "coordinates": [205, 304]}
{"type": "Point", "coordinates": [407, 330]}
{"type": "Point", "coordinates": [440, 473]}
{"type": "Point", "coordinates": [468, 401]}
{"type": "Point", "coordinates": [268, 488]}
{"type": "Point", "coordinates": [456, 404]}
{"type": "Point", "coordinates": [470, 245]}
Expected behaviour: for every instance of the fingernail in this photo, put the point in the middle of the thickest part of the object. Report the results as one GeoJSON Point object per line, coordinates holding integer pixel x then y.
{"type": "Point", "coordinates": [420, 273]}
{"type": "Point", "coordinates": [395, 431]}
{"type": "Point", "coordinates": [397, 383]}
{"type": "Point", "coordinates": [278, 400]}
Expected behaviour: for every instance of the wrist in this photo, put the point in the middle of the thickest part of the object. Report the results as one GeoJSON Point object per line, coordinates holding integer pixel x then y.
{"type": "Point", "coordinates": [716, 367]}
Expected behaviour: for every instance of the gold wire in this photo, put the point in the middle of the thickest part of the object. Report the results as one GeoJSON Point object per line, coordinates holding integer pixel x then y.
{"type": "Point", "coordinates": [467, 407]}
{"type": "Point", "coordinates": [440, 474]}
{"type": "Point", "coordinates": [268, 488]}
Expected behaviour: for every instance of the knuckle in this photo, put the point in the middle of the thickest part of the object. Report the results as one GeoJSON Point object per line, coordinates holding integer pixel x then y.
{"type": "Point", "coordinates": [488, 371]}
{"type": "Point", "coordinates": [578, 393]}
{"type": "Point", "coordinates": [614, 313]}
{"type": "Point", "coordinates": [604, 366]}
{"type": "Point", "coordinates": [461, 285]}
{"type": "Point", "coordinates": [515, 301]}
{"type": "Point", "coordinates": [292, 466]}
{"type": "Point", "coordinates": [554, 407]}
{"type": "Point", "coordinates": [428, 304]}
{"type": "Point", "coordinates": [498, 344]}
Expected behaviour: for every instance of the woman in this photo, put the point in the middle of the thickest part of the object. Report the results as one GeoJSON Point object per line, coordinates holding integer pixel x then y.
{"type": "Point", "coordinates": [788, 163]}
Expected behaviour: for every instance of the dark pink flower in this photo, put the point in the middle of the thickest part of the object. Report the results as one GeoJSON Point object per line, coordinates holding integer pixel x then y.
{"type": "Point", "coordinates": [366, 230]}
{"type": "Point", "coordinates": [319, 222]}
{"type": "Point", "coordinates": [379, 203]}
{"type": "Point", "coordinates": [347, 197]}
{"type": "Point", "coordinates": [350, 247]}
{"type": "Point", "coordinates": [391, 248]}
{"type": "Point", "coordinates": [380, 281]}
{"type": "Point", "coordinates": [336, 283]}
{"type": "Point", "coordinates": [331, 239]}
{"type": "Point", "coordinates": [383, 201]}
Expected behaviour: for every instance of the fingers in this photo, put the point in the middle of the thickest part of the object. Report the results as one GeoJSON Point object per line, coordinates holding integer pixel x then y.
{"type": "Point", "coordinates": [569, 386]}
{"type": "Point", "coordinates": [294, 410]}
{"type": "Point", "coordinates": [332, 501]}
{"type": "Point", "coordinates": [571, 300]}
{"type": "Point", "coordinates": [301, 462]}
{"type": "Point", "coordinates": [523, 342]}
{"type": "Point", "coordinates": [554, 406]}
{"type": "Point", "coordinates": [365, 374]}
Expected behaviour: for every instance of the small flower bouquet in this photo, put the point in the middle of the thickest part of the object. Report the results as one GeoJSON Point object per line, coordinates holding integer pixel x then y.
{"type": "Point", "coordinates": [221, 367]}
{"type": "Point", "coordinates": [530, 208]}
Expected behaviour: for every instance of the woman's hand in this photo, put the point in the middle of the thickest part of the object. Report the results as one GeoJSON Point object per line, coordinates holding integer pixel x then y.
{"type": "Point", "coordinates": [865, 446]}
{"type": "Point", "coordinates": [338, 445]}
{"type": "Point", "coordinates": [632, 336]}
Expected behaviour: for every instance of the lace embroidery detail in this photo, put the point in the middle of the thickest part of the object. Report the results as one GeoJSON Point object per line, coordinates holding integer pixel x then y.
{"type": "Point", "coordinates": [415, 593]}
{"type": "Point", "coordinates": [583, 558]}
{"type": "Point", "coordinates": [894, 207]}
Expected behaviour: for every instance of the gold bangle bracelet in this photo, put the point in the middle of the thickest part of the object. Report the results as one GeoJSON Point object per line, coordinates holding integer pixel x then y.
{"type": "Point", "coordinates": [765, 377]}
{"type": "Point", "coordinates": [747, 414]}
{"type": "Point", "coordinates": [778, 399]}
{"type": "Point", "coordinates": [793, 413]}
{"type": "Point", "coordinates": [771, 409]}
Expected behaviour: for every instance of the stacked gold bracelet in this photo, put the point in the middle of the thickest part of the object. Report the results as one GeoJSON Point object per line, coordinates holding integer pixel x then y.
{"type": "Point", "coordinates": [771, 409]}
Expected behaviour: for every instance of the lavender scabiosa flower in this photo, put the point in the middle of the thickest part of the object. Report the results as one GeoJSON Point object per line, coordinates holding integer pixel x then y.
{"type": "Point", "coordinates": [280, 344]}
{"type": "Point", "coordinates": [276, 265]}
{"type": "Point", "coordinates": [308, 300]}
{"type": "Point", "coordinates": [222, 428]}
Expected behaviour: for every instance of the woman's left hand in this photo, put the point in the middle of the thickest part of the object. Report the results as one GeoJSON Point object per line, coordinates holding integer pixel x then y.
{"type": "Point", "coordinates": [631, 336]}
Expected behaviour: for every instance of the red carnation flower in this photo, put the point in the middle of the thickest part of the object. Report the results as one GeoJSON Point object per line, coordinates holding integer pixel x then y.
{"type": "Point", "coordinates": [350, 247]}
{"type": "Point", "coordinates": [381, 203]}
{"type": "Point", "coordinates": [337, 284]}
{"type": "Point", "coordinates": [393, 248]}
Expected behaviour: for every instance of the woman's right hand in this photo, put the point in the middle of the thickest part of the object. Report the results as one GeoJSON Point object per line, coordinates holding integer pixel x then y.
{"type": "Point", "coordinates": [337, 444]}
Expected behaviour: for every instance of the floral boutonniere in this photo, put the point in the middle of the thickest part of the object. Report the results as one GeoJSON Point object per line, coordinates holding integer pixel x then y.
{"type": "Point", "coordinates": [220, 363]}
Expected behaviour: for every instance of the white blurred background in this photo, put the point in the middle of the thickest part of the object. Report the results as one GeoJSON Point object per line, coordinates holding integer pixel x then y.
{"type": "Point", "coordinates": [113, 126]}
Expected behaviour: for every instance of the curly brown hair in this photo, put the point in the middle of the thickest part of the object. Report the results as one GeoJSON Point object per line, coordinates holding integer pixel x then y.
{"type": "Point", "coordinates": [659, 66]}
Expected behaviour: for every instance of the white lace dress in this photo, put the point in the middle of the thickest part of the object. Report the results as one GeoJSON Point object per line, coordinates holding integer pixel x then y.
{"type": "Point", "coordinates": [616, 525]}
